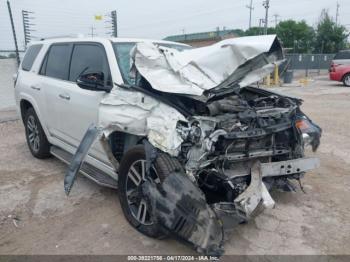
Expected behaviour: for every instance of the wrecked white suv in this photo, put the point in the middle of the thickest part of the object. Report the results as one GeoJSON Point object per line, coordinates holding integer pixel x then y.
{"type": "Point", "coordinates": [191, 145]}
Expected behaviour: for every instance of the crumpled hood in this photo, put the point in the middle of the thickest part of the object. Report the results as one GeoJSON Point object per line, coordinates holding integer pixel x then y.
{"type": "Point", "coordinates": [231, 63]}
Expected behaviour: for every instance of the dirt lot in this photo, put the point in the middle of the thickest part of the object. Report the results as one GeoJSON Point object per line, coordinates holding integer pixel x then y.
{"type": "Point", "coordinates": [37, 218]}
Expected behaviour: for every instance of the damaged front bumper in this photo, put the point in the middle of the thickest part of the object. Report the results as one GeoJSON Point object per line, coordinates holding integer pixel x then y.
{"type": "Point", "coordinates": [256, 197]}
{"type": "Point", "coordinates": [180, 207]}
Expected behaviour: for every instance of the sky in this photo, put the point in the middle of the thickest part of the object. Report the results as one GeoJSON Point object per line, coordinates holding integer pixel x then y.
{"type": "Point", "coordinates": [154, 19]}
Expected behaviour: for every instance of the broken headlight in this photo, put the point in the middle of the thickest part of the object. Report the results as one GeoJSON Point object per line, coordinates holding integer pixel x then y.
{"type": "Point", "coordinates": [311, 132]}
{"type": "Point", "coordinates": [190, 134]}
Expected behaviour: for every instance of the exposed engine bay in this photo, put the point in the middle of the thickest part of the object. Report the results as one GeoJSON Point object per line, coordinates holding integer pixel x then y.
{"type": "Point", "coordinates": [222, 146]}
{"type": "Point", "coordinates": [238, 149]}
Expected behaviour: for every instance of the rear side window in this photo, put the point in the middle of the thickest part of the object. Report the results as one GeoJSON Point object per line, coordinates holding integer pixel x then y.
{"type": "Point", "coordinates": [56, 63]}
{"type": "Point", "coordinates": [89, 58]}
{"type": "Point", "coordinates": [30, 56]}
{"type": "Point", "coordinates": [342, 55]}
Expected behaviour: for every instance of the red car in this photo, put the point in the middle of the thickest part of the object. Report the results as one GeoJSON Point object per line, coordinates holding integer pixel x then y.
{"type": "Point", "coordinates": [340, 68]}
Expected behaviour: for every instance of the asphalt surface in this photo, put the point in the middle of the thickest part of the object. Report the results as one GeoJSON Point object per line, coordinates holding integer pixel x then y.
{"type": "Point", "coordinates": [36, 217]}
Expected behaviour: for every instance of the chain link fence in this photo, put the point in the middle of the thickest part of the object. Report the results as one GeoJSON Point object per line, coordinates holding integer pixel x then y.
{"type": "Point", "coordinates": [309, 61]}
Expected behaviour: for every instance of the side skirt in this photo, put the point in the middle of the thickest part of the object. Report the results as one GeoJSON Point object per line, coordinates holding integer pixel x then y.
{"type": "Point", "coordinates": [88, 170]}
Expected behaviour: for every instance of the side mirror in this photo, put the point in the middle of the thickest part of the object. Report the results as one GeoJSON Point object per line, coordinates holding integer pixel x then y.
{"type": "Point", "coordinates": [93, 81]}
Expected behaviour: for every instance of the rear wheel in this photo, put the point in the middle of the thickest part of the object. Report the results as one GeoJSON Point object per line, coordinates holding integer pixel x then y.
{"type": "Point", "coordinates": [346, 80]}
{"type": "Point", "coordinates": [37, 141]}
{"type": "Point", "coordinates": [132, 173]}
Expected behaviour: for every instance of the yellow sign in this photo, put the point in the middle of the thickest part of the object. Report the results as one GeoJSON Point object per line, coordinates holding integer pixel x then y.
{"type": "Point", "coordinates": [98, 17]}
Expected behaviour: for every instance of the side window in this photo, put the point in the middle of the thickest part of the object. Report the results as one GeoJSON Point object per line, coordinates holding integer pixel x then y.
{"type": "Point", "coordinates": [342, 55]}
{"type": "Point", "coordinates": [30, 56]}
{"type": "Point", "coordinates": [56, 62]}
{"type": "Point", "coordinates": [89, 58]}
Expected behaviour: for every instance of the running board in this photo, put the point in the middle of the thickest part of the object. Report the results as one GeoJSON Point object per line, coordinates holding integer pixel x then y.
{"type": "Point", "coordinates": [88, 170]}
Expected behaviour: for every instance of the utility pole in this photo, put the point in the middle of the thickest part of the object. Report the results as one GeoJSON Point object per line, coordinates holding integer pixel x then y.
{"type": "Point", "coordinates": [276, 19]}
{"type": "Point", "coordinates": [337, 14]}
{"type": "Point", "coordinates": [114, 23]}
{"type": "Point", "coordinates": [266, 4]}
{"type": "Point", "coordinates": [261, 22]}
{"type": "Point", "coordinates": [92, 28]}
{"type": "Point", "coordinates": [250, 7]}
{"type": "Point", "coordinates": [13, 32]}
{"type": "Point", "coordinates": [26, 26]}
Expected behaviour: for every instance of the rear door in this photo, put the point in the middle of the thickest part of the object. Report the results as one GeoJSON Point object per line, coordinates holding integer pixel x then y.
{"type": "Point", "coordinates": [54, 77]}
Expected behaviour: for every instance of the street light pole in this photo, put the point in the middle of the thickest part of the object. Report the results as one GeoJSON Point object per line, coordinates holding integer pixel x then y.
{"type": "Point", "coordinates": [266, 4]}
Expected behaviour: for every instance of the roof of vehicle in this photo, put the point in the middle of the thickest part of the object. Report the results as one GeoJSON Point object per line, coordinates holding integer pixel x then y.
{"type": "Point", "coordinates": [102, 39]}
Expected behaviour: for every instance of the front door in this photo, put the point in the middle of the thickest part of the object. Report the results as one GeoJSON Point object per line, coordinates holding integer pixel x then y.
{"type": "Point", "coordinates": [72, 108]}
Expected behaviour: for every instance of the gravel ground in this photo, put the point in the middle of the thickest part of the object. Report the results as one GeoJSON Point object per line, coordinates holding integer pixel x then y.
{"type": "Point", "coordinates": [7, 68]}
{"type": "Point", "coordinates": [37, 218]}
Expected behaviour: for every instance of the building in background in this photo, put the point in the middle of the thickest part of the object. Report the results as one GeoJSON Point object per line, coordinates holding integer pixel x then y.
{"type": "Point", "coordinates": [204, 38]}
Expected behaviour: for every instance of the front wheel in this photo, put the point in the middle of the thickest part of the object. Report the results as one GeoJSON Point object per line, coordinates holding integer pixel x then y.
{"type": "Point", "coordinates": [132, 173]}
{"type": "Point", "coordinates": [346, 80]}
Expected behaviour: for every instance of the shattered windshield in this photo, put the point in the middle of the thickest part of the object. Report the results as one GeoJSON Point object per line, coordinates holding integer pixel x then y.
{"type": "Point", "coordinates": [122, 53]}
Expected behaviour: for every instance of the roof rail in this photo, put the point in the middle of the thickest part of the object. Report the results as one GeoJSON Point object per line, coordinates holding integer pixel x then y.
{"type": "Point", "coordinates": [61, 36]}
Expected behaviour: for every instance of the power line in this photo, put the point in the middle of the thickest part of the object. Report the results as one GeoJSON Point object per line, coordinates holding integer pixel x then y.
{"type": "Point", "coordinates": [250, 7]}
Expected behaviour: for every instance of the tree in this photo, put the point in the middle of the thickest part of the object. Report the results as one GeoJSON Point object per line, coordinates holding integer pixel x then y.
{"type": "Point", "coordinates": [238, 32]}
{"type": "Point", "coordinates": [330, 37]}
{"type": "Point", "coordinates": [12, 55]}
{"type": "Point", "coordinates": [255, 30]}
{"type": "Point", "coordinates": [296, 35]}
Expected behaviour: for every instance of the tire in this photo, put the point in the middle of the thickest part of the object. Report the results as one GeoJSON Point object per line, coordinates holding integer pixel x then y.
{"type": "Point", "coordinates": [162, 167]}
{"type": "Point", "coordinates": [346, 80]}
{"type": "Point", "coordinates": [37, 141]}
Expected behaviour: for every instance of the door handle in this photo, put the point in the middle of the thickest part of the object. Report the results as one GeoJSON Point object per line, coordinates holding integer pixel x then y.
{"type": "Point", "coordinates": [64, 96]}
{"type": "Point", "coordinates": [35, 88]}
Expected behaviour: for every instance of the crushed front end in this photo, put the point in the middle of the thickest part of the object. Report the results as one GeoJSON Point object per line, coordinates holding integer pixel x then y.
{"type": "Point", "coordinates": [238, 149]}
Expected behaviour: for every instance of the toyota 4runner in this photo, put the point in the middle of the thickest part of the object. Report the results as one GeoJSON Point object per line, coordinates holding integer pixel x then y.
{"type": "Point", "coordinates": [192, 146]}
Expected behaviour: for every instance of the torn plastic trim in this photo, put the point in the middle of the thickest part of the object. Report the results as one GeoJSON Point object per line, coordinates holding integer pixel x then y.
{"type": "Point", "coordinates": [250, 200]}
{"type": "Point", "coordinates": [79, 156]}
{"type": "Point", "coordinates": [180, 207]}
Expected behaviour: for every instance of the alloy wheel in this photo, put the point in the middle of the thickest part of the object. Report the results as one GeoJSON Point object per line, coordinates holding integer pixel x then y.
{"type": "Point", "coordinates": [33, 133]}
{"type": "Point", "coordinates": [347, 80]}
{"type": "Point", "coordinates": [137, 203]}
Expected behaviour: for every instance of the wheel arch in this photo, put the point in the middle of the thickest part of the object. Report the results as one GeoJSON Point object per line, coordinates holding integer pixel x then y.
{"type": "Point", "coordinates": [120, 142]}
{"type": "Point", "coordinates": [26, 102]}
{"type": "Point", "coordinates": [24, 106]}
{"type": "Point", "coordinates": [344, 75]}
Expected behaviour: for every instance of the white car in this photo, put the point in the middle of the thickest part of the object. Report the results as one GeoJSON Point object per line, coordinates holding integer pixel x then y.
{"type": "Point", "coordinates": [191, 145]}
